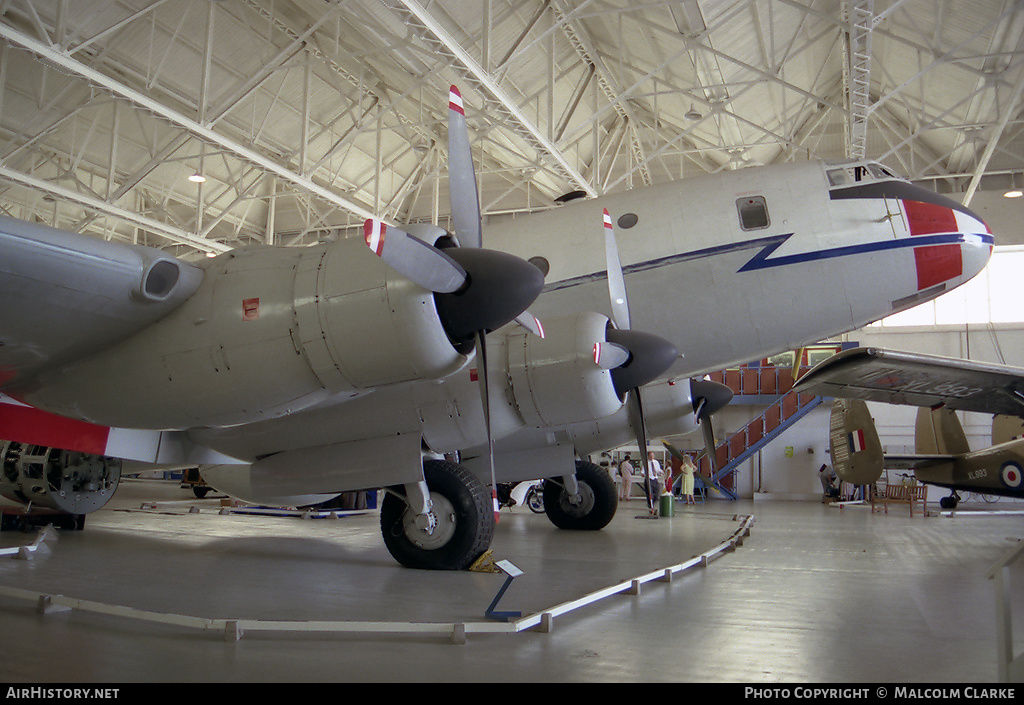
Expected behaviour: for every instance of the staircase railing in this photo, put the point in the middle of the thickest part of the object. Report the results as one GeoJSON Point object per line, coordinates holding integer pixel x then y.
{"type": "Point", "coordinates": [785, 407]}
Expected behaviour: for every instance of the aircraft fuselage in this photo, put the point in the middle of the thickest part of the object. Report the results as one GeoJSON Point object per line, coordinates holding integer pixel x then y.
{"type": "Point", "coordinates": [735, 266]}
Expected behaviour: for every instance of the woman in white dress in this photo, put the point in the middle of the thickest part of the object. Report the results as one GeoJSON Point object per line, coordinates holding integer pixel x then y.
{"type": "Point", "coordinates": [688, 469]}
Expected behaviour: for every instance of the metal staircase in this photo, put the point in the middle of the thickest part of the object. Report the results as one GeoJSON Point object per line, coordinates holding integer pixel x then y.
{"type": "Point", "coordinates": [756, 385]}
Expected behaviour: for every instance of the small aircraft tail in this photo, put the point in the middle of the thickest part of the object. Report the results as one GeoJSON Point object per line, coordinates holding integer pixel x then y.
{"type": "Point", "coordinates": [939, 432]}
{"type": "Point", "coordinates": [1006, 428]}
{"type": "Point", "coordinates": [855, 448]}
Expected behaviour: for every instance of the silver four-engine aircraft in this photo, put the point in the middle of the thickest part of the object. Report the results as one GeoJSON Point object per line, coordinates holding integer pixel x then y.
{"type": "Point", "coordinates": [293, 374]}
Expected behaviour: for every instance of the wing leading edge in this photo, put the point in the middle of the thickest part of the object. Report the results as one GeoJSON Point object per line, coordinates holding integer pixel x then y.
{"type": "Point", "coordinates": [915, 379]}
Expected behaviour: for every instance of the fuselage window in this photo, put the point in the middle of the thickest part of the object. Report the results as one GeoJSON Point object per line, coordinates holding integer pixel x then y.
{"type": "Point", "coordinates": [753, 212]}
{"type": "Point", "coordinates": [628, 221]}
{"type": "Point", "coordinates": [540, 263]}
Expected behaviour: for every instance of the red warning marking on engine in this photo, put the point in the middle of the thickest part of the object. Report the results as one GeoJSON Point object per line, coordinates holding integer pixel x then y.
{"type": "Point", "coordinates": [473, 377]}
{"type": "Point", "coordinates": [250, 309]}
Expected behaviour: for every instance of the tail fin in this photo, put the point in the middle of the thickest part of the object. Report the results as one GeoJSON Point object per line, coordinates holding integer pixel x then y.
{"type": "Point", "coordinates": [1006, 428]}
{"type": "Point", "coordinates": [939, 432]}
{"type": "Point", "coordinates": [855, 448]}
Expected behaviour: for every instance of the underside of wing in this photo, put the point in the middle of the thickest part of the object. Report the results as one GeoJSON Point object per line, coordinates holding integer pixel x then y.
{"type": "Point", "coordinates": [914, 462]}
{"type": "Point", "coordinates": [918, 380]}
{"type": "Point", "coordinates": [64, 295]}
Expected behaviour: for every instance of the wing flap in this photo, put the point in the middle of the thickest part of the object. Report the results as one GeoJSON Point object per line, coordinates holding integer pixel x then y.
{"type": "Point", "coordinates": [914, 379]}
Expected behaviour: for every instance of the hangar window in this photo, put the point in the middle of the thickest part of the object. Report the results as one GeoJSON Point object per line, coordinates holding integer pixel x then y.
{"type": "Point", "coordinates": [753, 212]}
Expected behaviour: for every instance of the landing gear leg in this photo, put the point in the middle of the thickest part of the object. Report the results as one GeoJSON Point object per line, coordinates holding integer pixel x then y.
{"type": "Point", "coordinates": [444, 523]}
{"type": "Point", "coordinates": [586, 502]}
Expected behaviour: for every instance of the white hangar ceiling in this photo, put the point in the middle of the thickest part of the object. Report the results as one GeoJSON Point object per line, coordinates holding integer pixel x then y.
{"type": "Point", "coordinates": [306, 116]}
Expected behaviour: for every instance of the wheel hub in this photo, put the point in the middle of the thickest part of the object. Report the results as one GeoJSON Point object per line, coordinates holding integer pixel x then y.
{"type": "Point", "coordinates": [578, 506]}
{"type": "Point", "coordinates": [435, 533]}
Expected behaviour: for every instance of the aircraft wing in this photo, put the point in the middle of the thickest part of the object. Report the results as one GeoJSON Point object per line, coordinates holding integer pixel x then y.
{"type": "Point", "coordinates": [913, 462]}
{"type": "Point", "coordinates": [914, 379]}
{"type": "Point", "coordinates": [64, 295]}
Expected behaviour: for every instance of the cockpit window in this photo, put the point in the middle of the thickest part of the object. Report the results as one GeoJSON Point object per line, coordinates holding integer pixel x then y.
{"type": "Point", "coordinates": [753, 212]}
{"type": "Point", "coordinates": [857, 172]}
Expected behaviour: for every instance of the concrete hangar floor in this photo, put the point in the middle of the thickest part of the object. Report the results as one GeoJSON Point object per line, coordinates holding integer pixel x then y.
{"type": "Point", "coordinates": [812, 594]}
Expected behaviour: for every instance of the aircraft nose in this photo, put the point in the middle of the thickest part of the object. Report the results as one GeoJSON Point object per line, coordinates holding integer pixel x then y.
{"type": "Point", "coordinates": [955, 243]}
{"type": "Point", "coordinates": [977, 244]}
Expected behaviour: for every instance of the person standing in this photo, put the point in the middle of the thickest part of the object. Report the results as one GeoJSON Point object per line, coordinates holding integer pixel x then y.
{"type": "Point", "coordinates": [686, 488]}
{"type": "Point", "coordinates": [626, 474]}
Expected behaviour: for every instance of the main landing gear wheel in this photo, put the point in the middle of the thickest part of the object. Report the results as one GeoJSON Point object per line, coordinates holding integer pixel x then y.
{"type": "Point", "coordinates": [463, 521]}
{"type": "Point", "coordinates": [950, 502]}
{"type": "Point", "coordinates": [592, 510]}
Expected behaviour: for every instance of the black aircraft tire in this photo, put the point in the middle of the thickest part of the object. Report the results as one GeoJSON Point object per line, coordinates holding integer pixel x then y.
{"type": "Point", "coordinates": [465, 521]}
{"type": "Point", "coordinates": [600, 500]}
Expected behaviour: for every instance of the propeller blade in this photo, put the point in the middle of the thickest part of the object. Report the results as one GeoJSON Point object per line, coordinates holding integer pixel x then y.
{"type": "Point", "coordinates": [608, 356]}
{"type": "Point", "coordinates": [531, 323]}
{"type": "Point", "coordinates": [636, 422]}
{"type": "Point", "coordinates": [424, 264]}
{"type": "Point", "coordinates": [462, 188]}
{"type": "Point", "coordinates": [485, 398]}
{"type": "Point", "coordinates": [616, 282]}
{"type": "Point", "coordinates": [673, 451]}
{"type": "Point", "coordinates": [708, 432]}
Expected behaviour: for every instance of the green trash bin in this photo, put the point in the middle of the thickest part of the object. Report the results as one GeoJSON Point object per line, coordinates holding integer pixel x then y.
{"type": "Point", "coordinates": [668, 505]}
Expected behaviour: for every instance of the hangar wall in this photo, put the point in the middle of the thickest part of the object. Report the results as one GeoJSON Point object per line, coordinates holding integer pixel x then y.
{"type": "Point", "coordinates": [774, 474]}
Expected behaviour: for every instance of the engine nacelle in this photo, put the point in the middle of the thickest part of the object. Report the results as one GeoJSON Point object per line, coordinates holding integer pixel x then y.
{"type": "Point", "coordinates": [68, 481]}
{"type": "Point", "coordinates": [668, 411]}
{"type": "Point", "coordinates": [555, 380]}
{"type": "Point", "coordinates": [534, 382]}
{"type": "Point", "coordinates": [269, 331]}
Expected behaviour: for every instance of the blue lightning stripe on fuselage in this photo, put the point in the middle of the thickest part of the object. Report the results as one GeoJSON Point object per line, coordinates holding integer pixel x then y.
{"type": "Point", "coordinates": [763, 259]}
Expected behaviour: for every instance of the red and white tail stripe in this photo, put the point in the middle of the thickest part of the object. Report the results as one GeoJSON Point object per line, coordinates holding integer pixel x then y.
{"type": "Point", "coordinates": [374, 232]}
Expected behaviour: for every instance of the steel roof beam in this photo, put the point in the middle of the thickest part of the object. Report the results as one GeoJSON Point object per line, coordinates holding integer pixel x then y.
{"type": "Point", "coordinates": [417, 15]}
{"type": "Point", "coordinates": [64, 62]}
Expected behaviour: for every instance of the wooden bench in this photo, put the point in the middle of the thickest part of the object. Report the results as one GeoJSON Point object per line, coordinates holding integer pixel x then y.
{"type": "Point", "coordinates": [881, 498]}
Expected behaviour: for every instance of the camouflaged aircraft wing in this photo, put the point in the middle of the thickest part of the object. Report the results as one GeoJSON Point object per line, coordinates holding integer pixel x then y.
{"type": "Point", "coordinates": [913, 379]}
